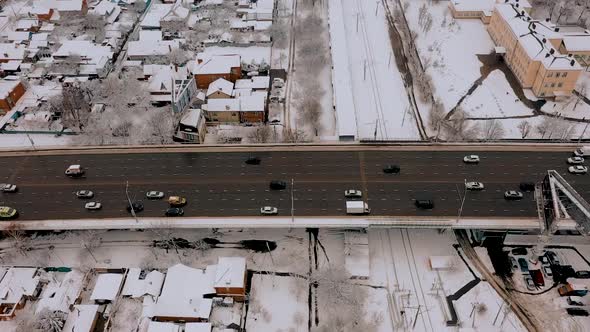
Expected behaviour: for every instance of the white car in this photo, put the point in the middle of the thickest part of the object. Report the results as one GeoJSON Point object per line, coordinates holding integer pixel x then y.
{"type": "Point", "coordinates": [154, 194]}
{"type": "Point", "coordinates": [578, 169]}
{"type": "Point", "coordinates": [474, 186]}
{"type": "Point", "coordinates": [575, 160]}
{"type": "Point", "coordinates": [471, 159]}
{"type": "Point", "coordinates": [93, 206]}
{"type": "Point", "coordinates": [513, 194]}
{"type": "Point", "coordinates": [351, 193]}
{"type": "Point", "coordinates": [84, 194]}
{"type": "Point", "coordinates": [8, 188]}
{"type": "Point", "coordinates": [268, 210]}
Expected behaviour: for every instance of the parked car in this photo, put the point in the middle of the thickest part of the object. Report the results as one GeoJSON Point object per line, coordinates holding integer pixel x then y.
{"type": "Point", "coordinates": [537, 276]}
{"type": "Point", "coordinates": [552, 257]}
{"type": "Point", "coordinates": [474, 186]}
{"type": "Point", "coordinates": [152, 194]}
{"type": "Point", "coordinates": [527, 186]}
{"type": "Point", "coordinates": [579, 169]}
{"type": "Point", "coordinates": [93, 206]}
{"type": "Point", "coordinates": [513, 263]}
{"type": "Point", "coordinates": [176, 201]}
{"type": "Point", "coordinates": [8, 212]}
{"type": "Point", "coordinates": [519, 251]}
{"type": "Point", "coordinates": [269, 210]}
{"type": "Point", "coordinates": [352, 193]}
{"type": "Point", "coordinates": [253, 161]}
{"type": "Point", "coordinates": [174, 212]}
{"type": "Point", "coordinates": [391, 169]}
{"type": "Point", "coordinates": [137, 206]}
{"type": "Point", "coordinates": [524, 265]}
{"type": "Point", "coordinates": [424, 203]}
{"type": "Point", "coordinates": [543, 259]}
{"type": "Point", "coordinates": [8, 188]}
{"type": "Point", "coordinates": [278, 185]}
{"type": "Point", "coordinates": [583, 274]}
{"type": "Point", "coordinates": [547, 270]}
{"type": "Point", "coordinates": [577, 312]}
{"type": "Point", "coordinates": [513, 195]}
{"type": "Point", "coordinates": [471, 159]}
{"type": "Point", "coordinates": [576, 160]}
{"type": "Point", "coordinates": [530, 285]}
{"type": "Point", "coordinates": [84, 194]}
{"type": "Point", "coordinates": [575, 300]}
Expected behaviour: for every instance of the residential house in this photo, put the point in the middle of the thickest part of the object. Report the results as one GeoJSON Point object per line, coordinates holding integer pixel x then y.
{"type": "Point", "coordinates": [252, 108]}
{"type": "Point", "coordinates": [578, 45]}
{"type": "Point", "coordinates": [10, 93]}
{"type": "Point", "coordinates": [230, 277]}
{"type": "Point", "coordinates": [17, 37]}
{"type": "Point", "coordinates": [192, 127]}
{"type": "Point", "coordinates": [220, 88]}
{"type": "Point", "coordinates": [222, 110]}
{"type": "Point", "coordinates": [17, 286]}
{"type": "Point", "coordinates": [11, 51]}
{"type": "Point", "coordinates": [210, 68]}
{"type": "Point", "coordinates": [163, 327]}
{"type": "Point", "coordinates": [68, 6]}
{"type": "Point", "coordinates": [197, 327]}
{"type": "Point", "coordinates": [162, 83]}
{"type": "Point", "coordinates": [482, 9]}
{"type": "Point", "coordinates": [108, 10]}
{"type": "Point", "coordinates": [93, 60]}
{"type": "Point", "coordinates": [150, 46]}
{"type": "Point", "coordinates": [183, 295]}
{"type": "Point", "coordinates": [260, 10]}
{"type": "Point", "coordinates": [82, 318]}
{"type": "Point", "coordinates": [60, 293]}
{"type": "Point", "coordinates": [178, 14]}
{"type": "Point", "coordinates": [256, 83]}
{"type": "Point", "coordinates": [27, 24]}
{"type": "Point", "coordinates": [138, 283]}
{"type": "Point", "coordinates": [151, 20]}
{"type": "Point", "coordinates": [41, 12]}
{"type": "Point", "coordinates": [107, 287]}
{"type": "Point", "coordinates": [531, 52]}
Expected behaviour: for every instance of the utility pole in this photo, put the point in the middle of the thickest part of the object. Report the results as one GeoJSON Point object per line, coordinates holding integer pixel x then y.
{"type": "Point", "coordinates": [365, 71]}
{"type": "Point", "coordinates": [357, 22]}
{"type": "Point", "coordinates": [583, 132]}
{"type": "Point", "coordinates": [462, 199]}
{"type": "Point", "coordinates": [129, 200]}
{"type": "Point", "coordinates": [292, 201]}
{"type": "Point", "coordinates": [31, 140]}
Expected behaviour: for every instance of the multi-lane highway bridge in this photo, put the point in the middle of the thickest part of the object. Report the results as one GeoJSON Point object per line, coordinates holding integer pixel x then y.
{"type": "Point", "coordinates": [222, 190]}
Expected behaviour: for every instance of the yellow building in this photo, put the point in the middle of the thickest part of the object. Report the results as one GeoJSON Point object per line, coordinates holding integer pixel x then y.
{"type": "Point", "coordinates": [532, 52]}
{"type": "Point", "coordinates": [482, 9]}
{"type": "Point", "coordinates": [578, 45]}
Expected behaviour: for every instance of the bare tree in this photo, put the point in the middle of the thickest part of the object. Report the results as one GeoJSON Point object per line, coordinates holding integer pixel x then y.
{"type": "Point", "coordinates": [459, 129]}
{"type": "Point", "coordinates": [139, 6]}
{"type": "Point", "coordinates": [294, 136]}
{"type": "Point", "coordinates": [585, 5]}
{"type": "Point", "coordinates": [21, 242]}
{"type": "Point", "coordinates": [73, 106]}
{"type": "Point", "coordinates": [260, 135]}
{"type": "Point", "coordinates": [492, 130]}
{"type": "Point", "coordinates": [178, 57]}
{"type": "Point", "coordinates": [50, 321]}
{"type": "Point", "coordinates": [91, 240]}
{"type": "Point", "coordinates": [525, 128]}
{"type": "Point", "coordinates": [581, 90]}
{"type": "Point", "coordinates": [563, 8]}
{"type": "Point", "coordinates": [437, 117]}
{"type": "Point", "coordinates": [94, 25]}
{"type": "Point", "coordinates": [311, 113]}
{"type": "Point", "coordinates": [278, 33]}
{"type": "Point", "coordinates": [159, 127]}
{"type": "Point", "coordinates": [67, 66]}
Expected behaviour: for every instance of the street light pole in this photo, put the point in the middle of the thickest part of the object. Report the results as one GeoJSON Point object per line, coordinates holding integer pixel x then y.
{"type": "Point", "coordinates": [462, 199]}
{"type": "Point", "coordinates": [129, 200]}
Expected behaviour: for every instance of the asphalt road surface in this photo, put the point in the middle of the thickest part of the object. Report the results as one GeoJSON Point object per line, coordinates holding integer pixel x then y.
{"type": "Point", "coordinates": [221, 184]}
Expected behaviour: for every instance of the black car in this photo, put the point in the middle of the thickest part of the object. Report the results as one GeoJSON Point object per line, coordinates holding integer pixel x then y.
{"type": "Point", "coordinates": [137, 206]}
{"type": "Point", "coordinates": [583, 274]}
{"type": "Point", "coordinates": [253, 161]}
{"type": "Point", "coordinates": [519, 251]}
{"type": "Point", "coordinates": [527, 186]}
{"type": "Point", "coordinates": [174, 212]}
{"type": "Point", "coordinates": [552, 256]}
{"type": "Point", "coordinates": [278, 185]}
{"type": "Point", "coordinates": [577, 312]}
{"type": "Point", "coordinates": [424, 203]}
{"type": "Point", "coordinates": [391, 169]}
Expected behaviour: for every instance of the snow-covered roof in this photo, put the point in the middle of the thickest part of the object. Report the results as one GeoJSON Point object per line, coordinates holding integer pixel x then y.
{"type": "Point", "coordinates": [108, 10]}
{"type": "Point", "coordinates": [182, 294]}
{"type": "Point", "coordinates": [197, 327]}
{"type": "Point", "coordinates": [17, 36]}
{"type": "Point", "coordinates": [252, 103]}
{"type": "Point", "coordinates": [484, 5]}
{"type": "Point", "coordinates": [256, 82]}
{"type": "Point", "coordinates": [163, 327]}
{"type": "Point", "coordinates": [176, 13]}
{"type": "Point", "coordinates": [58, 295]}
{"type": "Point", "coordinates": [223, 105]}
{"type": "Point", "coordinates": [65, 5]}
{"type": "Point", "coordinates": [91, 52]}
{"type": "Point", "coordinates": [441, 262]}
{"type": "Point", "coordinates": [6, 87]}
{"type": "Point", "coordinates": [192, 117]}
{"type": "Point", "coordinates": [107, 286]}
{"type": "Point", "coordinates": [26, 23]}
{"type": "Point", "coordinates": [216, 64]}
{"type": "Point", "coordinates": [150, 43]}
{"type": "Point", "coordinates": [578, 43]}
{"type": "Point", "coordinates": [561, 62]}
{"type": "Point", "coordinates": [242, 92]}
{"type": "Point", "coordinates": [162, 79]}
{"type": "Point", "coordinates": [12, 51]}
{"type": "Point", "coordinates": [81, 319]}
{"type": "Point", "coordinates": [150, 285]}
{"type": "Point", "coordinates": [155, 14]}
{"type": "Point", "coordinates": [221, 85]}
{"type": "Point", "coordinates": [18, 282]}
{"type": "Point", "coordinates": [37, 9]}
{"type": "Point", "coordinates": [231, 272]}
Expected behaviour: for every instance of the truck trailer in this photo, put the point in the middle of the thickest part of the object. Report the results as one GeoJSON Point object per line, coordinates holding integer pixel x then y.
{"type": "Point", "coordinates": [357, 207]}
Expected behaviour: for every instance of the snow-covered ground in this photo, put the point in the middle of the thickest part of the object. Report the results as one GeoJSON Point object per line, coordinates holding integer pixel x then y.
{"type": "Point", "coordinates": [24, 140]}
{"type": "Point", "coordinates": [379, 100]}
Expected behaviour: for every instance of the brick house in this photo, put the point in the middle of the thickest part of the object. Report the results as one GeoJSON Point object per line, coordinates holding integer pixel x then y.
{"type": "Point", "coordinates": [10, 93]}
{"type": "Point", "coordinates": [211, 68]}
{"type": "Point", "coordinates": [220, 88]}
{"type": "Point", "coordinates": [230, 277]}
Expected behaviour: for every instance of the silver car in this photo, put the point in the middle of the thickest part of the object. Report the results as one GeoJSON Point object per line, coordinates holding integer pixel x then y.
{"type": "Point", "coordinates": [268, 210]}
{"type": "Point", "coordinates": [84, 194]}
{"type": "Point", "coordinates": [474, 186]}
{"type": "Point", "coordinates": [8, 188]}
{"type": "Point", "coordinates": [352, 193]}
{"type": "Point", "coordinates": [93, 206]}
{"type": "Point", "coordinates": [513, 194]}
{"type": "Point", "coordinates": [579, 169]}
{"type": "Point", "coordinates": [575, 160]}
{"type": "Point", "coordinates": [152, 194]}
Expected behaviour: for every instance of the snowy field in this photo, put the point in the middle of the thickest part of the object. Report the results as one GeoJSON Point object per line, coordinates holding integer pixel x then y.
{"type": "Point", "coordinates": [378, 94]}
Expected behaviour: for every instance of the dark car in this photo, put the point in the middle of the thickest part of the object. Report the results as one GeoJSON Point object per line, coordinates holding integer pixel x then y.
{"type": "Point", "coordinates": [391, 169]}
{"type": "Point", "coordinates": [583, 274]}
{"type": "Point", "coordinates": [552, 257]}
{"type": "Point", "coordinates": [527, 186]}
{"type": "Point", "coordinates": [137, 206]}
{"type": "Point", "coordinates": [424, 203]}
{"type": "Point", "coordinates": [537, 276]}
{"type": "Point", "coordinates": [524, 266]}
{"type": "Point", "coordinates": [519, 251]}
{"type": "Point", "coordinates": [577, 312]}
{"type": "Point", "coordinates": [278, 185]}
{"type": "Point", "coordinates": [253, 161]}
{"type": "Point", "coordinates": [174, 212]}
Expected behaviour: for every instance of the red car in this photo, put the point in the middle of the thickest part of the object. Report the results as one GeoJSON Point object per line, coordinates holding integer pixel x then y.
{"type": "Point", "coordinates": [537, 276]}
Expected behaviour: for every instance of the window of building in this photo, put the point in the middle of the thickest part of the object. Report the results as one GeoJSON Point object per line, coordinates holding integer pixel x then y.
{"type": "Point", "coordinates": [552, 85]}
{"type": "Point", "coordinates": [559, 85]}
{"type": "Point", "coordinates": [546, 85]}
{"type": "Point", "coordinates": [550, 74]}
{"type": "Point", "coordinates": [564, 74]}
{"type": "Point", "coordinates": [542, 94]}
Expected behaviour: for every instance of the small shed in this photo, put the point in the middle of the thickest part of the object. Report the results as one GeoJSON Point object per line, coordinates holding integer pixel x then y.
{"type": "Point", "coordinates": [107, 287]}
